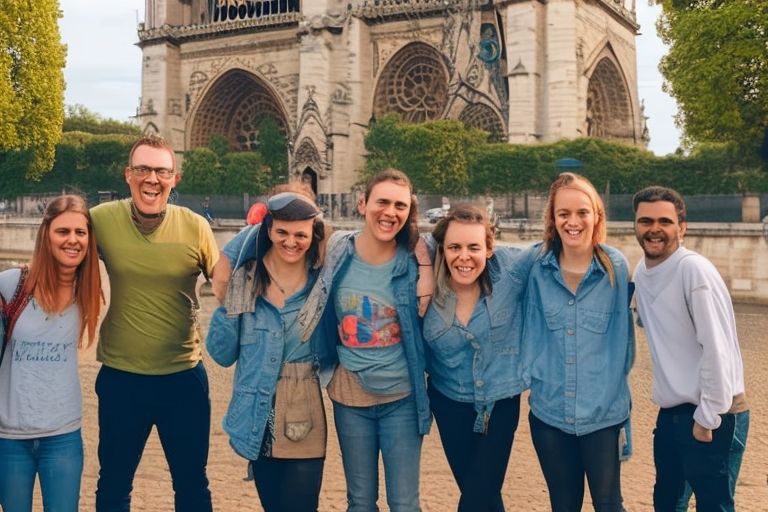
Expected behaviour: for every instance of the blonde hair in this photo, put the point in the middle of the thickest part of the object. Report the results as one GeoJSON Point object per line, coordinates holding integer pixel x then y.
{"type": "Point", "coordinates": [569, 180]}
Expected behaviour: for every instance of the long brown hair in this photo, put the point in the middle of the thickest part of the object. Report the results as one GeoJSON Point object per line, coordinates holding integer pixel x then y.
{"type": "Point", "coordinates": [409, 233]}
{"type": "Point", "coordinates": [43, 281]}
{"type": "Point", "coordinates": [462, 214]}
{"type": "Point", "coordinates": [552, 238]}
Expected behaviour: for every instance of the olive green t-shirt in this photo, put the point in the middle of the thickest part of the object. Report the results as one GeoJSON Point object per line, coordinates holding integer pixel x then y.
{"type": "Point", "coordinates": [151, 327]}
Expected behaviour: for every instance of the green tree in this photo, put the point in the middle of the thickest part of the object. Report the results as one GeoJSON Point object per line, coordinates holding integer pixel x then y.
{"type": "Point", "coordinates": [202, 172]}
{"type": "Point", "coordinates": [717, 68]}
{"type": "Point", "coordinates": [219, 145]}
{"type": "Point", "coordinates": [31, 81]}
{"type": "Point", "coordinates": [436, 154]}
{"type": "Point", "coordinates": [78, 118]}
{"type": "Point", "coordinates": [244, 172]}
{"type": "Point", "coordinates": [273, 148]}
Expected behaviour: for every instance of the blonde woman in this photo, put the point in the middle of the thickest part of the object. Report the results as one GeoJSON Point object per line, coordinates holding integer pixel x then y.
{"type": "Point", "coordinates": [579, 349]}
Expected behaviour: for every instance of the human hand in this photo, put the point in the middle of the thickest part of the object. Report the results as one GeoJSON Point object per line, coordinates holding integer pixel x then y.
{"type": "Point", "coordinates": [701, 434]}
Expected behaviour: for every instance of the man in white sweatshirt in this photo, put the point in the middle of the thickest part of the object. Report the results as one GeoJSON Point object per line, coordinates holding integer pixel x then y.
{"type": "Point", "coordinates": [698, 376]}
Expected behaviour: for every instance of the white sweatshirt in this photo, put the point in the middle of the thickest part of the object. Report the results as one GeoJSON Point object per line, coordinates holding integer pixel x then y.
{"type": "Point", "coordinates": [687, 314]}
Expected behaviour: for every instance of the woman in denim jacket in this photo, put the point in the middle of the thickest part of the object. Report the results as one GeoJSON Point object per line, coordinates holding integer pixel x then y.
{"type": "Point", "coordinates": [378, 389]}
{"type": "Point", "coordinates": [472, 331]}
{"type": "Point", "coordinates": [579, 345]}
{"type": "Point", "coordinates": [282, 434]}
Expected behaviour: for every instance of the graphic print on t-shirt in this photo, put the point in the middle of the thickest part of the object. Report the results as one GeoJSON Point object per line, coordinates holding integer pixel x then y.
{"type": "Point", "coordinates": [367, 321]}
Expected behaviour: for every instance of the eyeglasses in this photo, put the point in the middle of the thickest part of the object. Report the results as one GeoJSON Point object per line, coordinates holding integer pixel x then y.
{"type": "Point", "coordinates": [143, 171]}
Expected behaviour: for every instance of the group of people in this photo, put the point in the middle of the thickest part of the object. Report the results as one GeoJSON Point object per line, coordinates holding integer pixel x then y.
{"type": "Point", "coordinates": [397, 327]}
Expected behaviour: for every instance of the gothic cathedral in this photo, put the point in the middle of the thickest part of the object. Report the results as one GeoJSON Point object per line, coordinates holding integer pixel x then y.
{"type": "Point", "coordinates": [524, 70]}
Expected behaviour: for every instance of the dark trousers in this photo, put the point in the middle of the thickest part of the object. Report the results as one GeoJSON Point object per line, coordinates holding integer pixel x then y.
{"type": "Point", "coordinates": [566, 458]}
{"type": "Point", "coordinates": [288, 484]}
{"type": "Point", "coordinates": [711, 469]}
{"type": "Point", "coordinates": [178, 406]}
{"type": "Point", "coordinates": [478, 461]}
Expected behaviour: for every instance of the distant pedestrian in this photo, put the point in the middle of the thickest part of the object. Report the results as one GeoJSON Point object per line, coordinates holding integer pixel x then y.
{"type": "Point", "coordinates": [698, 375]}
{"type": "Point", "coordinates": [206, 205]}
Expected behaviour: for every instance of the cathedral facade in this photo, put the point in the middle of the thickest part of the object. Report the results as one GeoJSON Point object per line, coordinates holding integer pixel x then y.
{"type": "Point", "coordinates": [526, 71]}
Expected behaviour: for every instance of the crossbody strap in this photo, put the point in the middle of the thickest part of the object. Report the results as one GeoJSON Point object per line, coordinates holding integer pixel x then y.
{"type": "Point", "coordinates": [12, 310]}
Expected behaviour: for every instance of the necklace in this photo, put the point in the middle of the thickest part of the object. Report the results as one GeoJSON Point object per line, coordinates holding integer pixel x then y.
{"type": "Point", "coordinates": [271, 275]}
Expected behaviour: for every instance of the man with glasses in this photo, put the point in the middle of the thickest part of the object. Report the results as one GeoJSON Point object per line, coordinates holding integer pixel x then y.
{"type": "Point", "coordinates": [151, 346]}
{"type": "Point", "coordinates": [698, 375]}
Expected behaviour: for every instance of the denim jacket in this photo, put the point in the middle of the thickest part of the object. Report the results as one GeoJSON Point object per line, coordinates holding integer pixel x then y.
{"type": "Point", "coordinates": [482, 363]}
{"type": "Point", "coordinates": [254, 340]}
{"type": "Point", "coordinates": [579, 347]}
{"type": "Point", "coordinates": [320, 307]}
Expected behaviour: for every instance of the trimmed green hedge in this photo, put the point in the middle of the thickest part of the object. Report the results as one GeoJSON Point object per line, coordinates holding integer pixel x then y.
{"type": "Point", "coordinates": [444, 157]}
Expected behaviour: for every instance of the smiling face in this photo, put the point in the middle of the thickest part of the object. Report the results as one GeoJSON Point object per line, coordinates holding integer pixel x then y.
{"type": "Point", "coordinates": [68, 237]}
{"type": "Point", "coordinates": [466, 253]}
{"type": "Point", "coordinates": [149, 191]}
{"type": "Point", "coordinates": [658, 230]}
{"type": "Point", "coordinates": [291, 239]}
{"type": "Point", "coordinates": [386, 210]}
{"type": "Point", "coordinates": [574, 219]}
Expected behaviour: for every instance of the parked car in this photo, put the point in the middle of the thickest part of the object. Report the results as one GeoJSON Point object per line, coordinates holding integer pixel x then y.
{"type": "Point", "coordinates": [435, 214]}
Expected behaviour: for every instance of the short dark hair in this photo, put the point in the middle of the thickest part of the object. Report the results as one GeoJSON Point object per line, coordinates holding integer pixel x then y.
{"type": "Point", "coordinates": [656, 193]}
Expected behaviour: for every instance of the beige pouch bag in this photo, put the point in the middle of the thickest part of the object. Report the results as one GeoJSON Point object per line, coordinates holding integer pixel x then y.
{"type": "Point", "coordinates": [300, 427]}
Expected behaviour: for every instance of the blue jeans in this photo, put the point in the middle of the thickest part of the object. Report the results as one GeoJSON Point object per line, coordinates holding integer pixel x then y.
{"type": "Point", "coordinates": [393, 429]}
{"type": "Point", "coordinates": [684, 465]}
{"type": "Point", "coordinates": [129, 406]}
{"type": "Point", "coordinates": [58, 460]}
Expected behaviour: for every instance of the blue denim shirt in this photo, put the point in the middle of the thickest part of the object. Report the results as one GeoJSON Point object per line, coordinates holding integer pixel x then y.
{"type": "Point", "coordinates": [579, 347]}
{"type": "Point", "coordinates": [481, 363]}
{"type": "Point", "coordinates": [255, 342]}
{"type": "Point", "coordinates": [341, 247]}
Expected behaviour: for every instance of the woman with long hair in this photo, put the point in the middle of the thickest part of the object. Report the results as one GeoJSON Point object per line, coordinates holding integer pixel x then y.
{"type": "Point", "coordinates": [276, 418]}
{"type": "Point", "coordinates": [472, 333]}
{"type": "Point", "coordinates": [380, 404]}
{"type": "Point", "coordinates": [579, 344]}
{"type": "Point", "coordinates": [40, 398]}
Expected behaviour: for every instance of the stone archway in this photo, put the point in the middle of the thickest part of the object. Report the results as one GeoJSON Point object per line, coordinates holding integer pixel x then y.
{"type": "Point", "coordinates": [309, 177]}
{"type": "Point", "coordinates": [485, 118]}
{"type": "Point", "coordinates": [609, 110]}
{"type": "Point", "coordinates": [234, 106]}
{"type": "Point", "coordinates": [414, 84]}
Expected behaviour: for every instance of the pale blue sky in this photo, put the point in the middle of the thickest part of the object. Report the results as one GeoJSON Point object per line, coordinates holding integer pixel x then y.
{"type": "Point", "coordinates": [104, 66]}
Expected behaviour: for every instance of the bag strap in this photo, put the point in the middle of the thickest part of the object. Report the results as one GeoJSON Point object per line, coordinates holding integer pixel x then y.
{"type": "Point", "coordinates": [12, 310]}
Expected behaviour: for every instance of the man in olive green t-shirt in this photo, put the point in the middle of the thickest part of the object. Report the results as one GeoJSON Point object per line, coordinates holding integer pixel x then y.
{"type": "Point", "coordinates": [150, 344]}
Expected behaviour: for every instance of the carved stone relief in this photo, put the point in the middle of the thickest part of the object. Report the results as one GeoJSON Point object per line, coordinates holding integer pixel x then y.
{"type": "Point", "coordinates": [608, 109]}
{"type": "Point", "coordinates": [414, 84]}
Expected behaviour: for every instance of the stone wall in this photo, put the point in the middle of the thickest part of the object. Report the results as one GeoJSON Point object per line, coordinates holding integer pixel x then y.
{"type": "Point", "coordinates": [739, 251]}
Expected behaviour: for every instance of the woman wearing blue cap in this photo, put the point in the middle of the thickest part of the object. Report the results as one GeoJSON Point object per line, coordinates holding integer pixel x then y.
{"type": "Point", "coordinates": [276, 418]}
